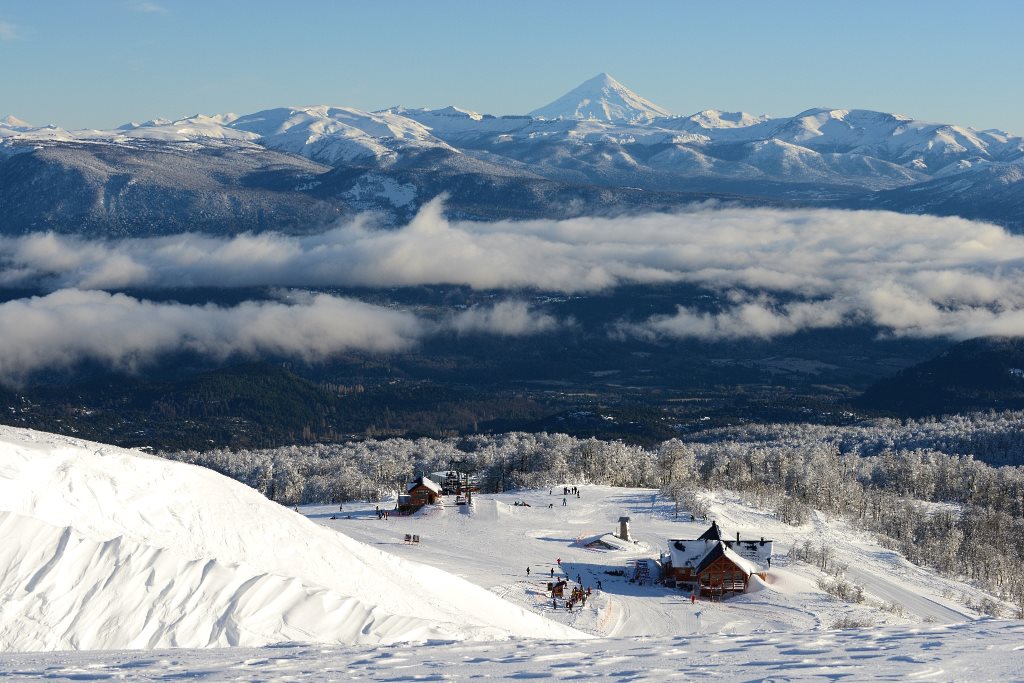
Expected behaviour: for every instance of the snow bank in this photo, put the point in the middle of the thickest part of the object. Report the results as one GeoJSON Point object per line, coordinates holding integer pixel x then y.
{"type": "Point", "coordinates": [107, 548]}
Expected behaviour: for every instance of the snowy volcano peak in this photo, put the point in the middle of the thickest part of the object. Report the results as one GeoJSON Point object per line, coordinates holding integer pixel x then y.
{"type": "Point", "coordinates": [604, 99]}
{"type": "Point", "coordinates": [11, 121]}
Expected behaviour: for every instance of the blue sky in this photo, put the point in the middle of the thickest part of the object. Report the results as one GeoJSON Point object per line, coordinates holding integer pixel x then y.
{"type": "Point", "coordinates": [99, 63]}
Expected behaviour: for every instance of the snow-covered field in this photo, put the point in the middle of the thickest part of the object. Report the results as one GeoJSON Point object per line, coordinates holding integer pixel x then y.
{"type": "Point", "coordinates": [976, 652]}
{"type": "Point", "coordinates": [110, 557]}
{"type": "Point", "coordinates": [493, 544]}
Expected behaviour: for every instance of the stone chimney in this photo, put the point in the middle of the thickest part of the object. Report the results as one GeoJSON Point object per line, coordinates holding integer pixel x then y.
{"type": "Point", "coordinates": [624, 528]}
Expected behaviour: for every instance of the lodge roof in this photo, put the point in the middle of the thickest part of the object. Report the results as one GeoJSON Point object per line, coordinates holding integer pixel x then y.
{"type": "Point", "coordinates": [714, 533]}
{"type": "Point", "coordinates": [426, 482]}
{"type": "Point", "coordinates": [722, 550]}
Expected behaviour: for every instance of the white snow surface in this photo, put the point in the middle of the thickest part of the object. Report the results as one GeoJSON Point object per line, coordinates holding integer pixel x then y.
{"type": "Point", "coordinates": [106, 548]}
{"type": "Point", "coordinates": [110, 550]}
{"type": "Point", "coordinates": [463, 541]}
{"type": "Point", "coordinates": [977, 651]}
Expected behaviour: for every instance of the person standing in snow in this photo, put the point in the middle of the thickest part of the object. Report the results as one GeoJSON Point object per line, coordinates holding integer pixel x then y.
{"type": "Point", "coordinates": [599, 584]}
{"type": "Point", "coordinates": [564, 502]}
{"type": "Point", "coordinates": [552, 572]}
{"type": "Point", "coordinates": [693, 597]}
{"type": "Point", "coordinates": [527, 571]}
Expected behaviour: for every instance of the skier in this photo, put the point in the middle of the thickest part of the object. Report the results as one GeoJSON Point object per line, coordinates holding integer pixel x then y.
{"type": "Point", "coordinates": [599, 584]}
{"type": "Point", "coordinates": [564, 502]}
{"type": "Point", "coordinates": [559, 561]}
{"type": "Point", "coordinates": [552, 572]}
{"type": "Point", "coordinates": [527, 571]}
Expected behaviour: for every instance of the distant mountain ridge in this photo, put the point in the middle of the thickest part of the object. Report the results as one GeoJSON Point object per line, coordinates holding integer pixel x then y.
{"type": "Point", "coordinates": [986, 373]}
{"type": "Point", "coordinates": [600, 139]}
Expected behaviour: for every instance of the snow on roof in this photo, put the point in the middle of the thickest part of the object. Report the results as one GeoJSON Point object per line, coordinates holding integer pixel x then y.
{"type": "Point", "coordinates": [721, 549]}
{"type": "Point", "coordinates": [611, 540]}
{"type": "Point", "coordinates": [758, 552]}
{"type": "Point", "coordinates": [714, 532]}
{"type": "Point", "coordinates": [743, 563]}
{"type": "Point", "coordinates": [693, 553]}
{"type": "Point", "coordinates": [424, 481]}
{"type": "Point", "coordinates": [689, 553]}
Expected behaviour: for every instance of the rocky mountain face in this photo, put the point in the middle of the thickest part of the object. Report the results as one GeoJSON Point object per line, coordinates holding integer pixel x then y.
{"type": "Point", "coordinates": [599, 149]}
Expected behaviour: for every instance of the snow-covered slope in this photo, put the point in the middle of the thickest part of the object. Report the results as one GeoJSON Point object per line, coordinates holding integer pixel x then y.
{"type": "Point", "coordinates": [105, 548]}
{"type": "Point", "coordinates": [602, 98]}
{"type": "Point", "coordinates": [338, 135]}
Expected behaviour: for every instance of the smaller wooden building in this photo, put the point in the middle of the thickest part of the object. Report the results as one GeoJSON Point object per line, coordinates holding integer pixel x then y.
{"type": "Point", "coordinates": [423, 491]}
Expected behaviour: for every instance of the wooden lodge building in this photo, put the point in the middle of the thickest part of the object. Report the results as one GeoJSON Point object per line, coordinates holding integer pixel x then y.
{"type": "Point", "coordinates": [422, 491]}
{"type": "Point", "coordinates": [714, 565]}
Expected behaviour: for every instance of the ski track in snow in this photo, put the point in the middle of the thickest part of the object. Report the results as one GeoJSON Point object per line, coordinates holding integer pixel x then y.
{"type": "Point", "coordinates": [975, 651]}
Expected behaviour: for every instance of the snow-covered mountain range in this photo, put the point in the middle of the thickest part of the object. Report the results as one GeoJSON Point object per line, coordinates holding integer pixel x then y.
{"type": "Point", "coordinates": [600, 147]}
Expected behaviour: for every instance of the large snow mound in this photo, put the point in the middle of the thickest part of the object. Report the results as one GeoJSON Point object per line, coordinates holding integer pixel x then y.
{"type": "Point", "coordinates": [106, 548]}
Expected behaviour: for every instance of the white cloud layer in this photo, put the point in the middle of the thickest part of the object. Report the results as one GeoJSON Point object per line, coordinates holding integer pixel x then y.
{"type": "Point", "coordinates": [506, 318]}
{"type": "Point", "coordinates": [68, 326]}
{"type": "Point", "coordinates": [785, 270]}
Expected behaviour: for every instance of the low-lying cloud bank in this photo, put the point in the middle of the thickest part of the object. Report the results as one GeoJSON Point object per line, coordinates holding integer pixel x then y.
{"type": "Point", "coordinates": [70, 326]}
{"type": "Point", "coordinates": [781, 271]}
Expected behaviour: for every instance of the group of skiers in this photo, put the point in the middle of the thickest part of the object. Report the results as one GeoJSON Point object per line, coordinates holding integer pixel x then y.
{"type": "Point", "coordinates": [382, 514]}
{"type": "Point", "coordinates": [578, 595]}
{"type": "Point", "coordinates": [566, 492]}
